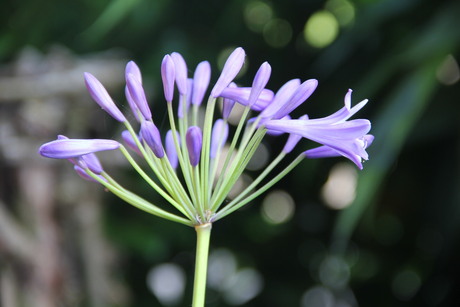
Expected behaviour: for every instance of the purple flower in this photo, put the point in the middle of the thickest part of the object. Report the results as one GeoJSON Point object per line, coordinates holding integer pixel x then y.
{"type": "Point", "coordinates": [181, 72]}
{"type": "Point", "coordinates": [231, 68]}
{"type": "Point", "coordinates": [103, 99]}
{"type": "Point", "coordinates": [138, 95]}
{"type": "Point", "coordinates": [73, 148]}
{"type": "Point", "coordinates": [347, 138]}
{"type": "Point", "coordinates": [201, 80]}
{"type": "Point", "coordinates": [168, 75]}
{"type": "Point", "coordinates": [151, 136]}
{"type": "Point", "coordinates": [194, 140]}
{"type": "Point", "coordinates": [171, 151]}
{"type": "Point", "coordinates": [218, 137]}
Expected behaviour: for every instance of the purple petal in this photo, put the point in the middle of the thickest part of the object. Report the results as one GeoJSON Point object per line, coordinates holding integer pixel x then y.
{"type": "Point", "coordinates": [151, 135]}
{"type": "Point", "coordinates": [282, 97]}
{"type": "Point", "coordinates": [201, 82]}
{"type": "Point", "coordinates": [194, 141]}
{"type": "Point", "coordinates": [344, 113]}
{"type": "Point", "coordinates": [218, 137]}
{"type": "Point", "coordinates": [300, 95]}
{"type": "Point", "coordinates": [181, 72]}
{"type": "Point", "coordinates": [92, 162]}
{"type": "Point", "coordinates": [103, 99]}
{"type": "Point", "coordinates": [326, 151]}
{"type": "Point", "coordinates": [231, 68]}
{"type": "Point", "coordinates": [275, 132]}
{"type": "Point", "coordinates": [168, 76]}
{"type": "Point", "coordinates": [171, 151]}
{"type": "Point", "coordinates": [241, 95]}
{"type": "Point", "coordinates": [308, 128]}
{"type": "Point", "coordinates": [138, 95]}
{"type": "Point", "coordinates": [72, 148]}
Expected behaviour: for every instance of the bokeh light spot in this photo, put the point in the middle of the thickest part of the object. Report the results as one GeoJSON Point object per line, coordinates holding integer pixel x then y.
{"type": "Point", "coordinates": [243, 287]}
{"type": "Point", "coordinates": [340, 188]}
{"type": "Point", "coordinates": [278, 207]}
{"type": "Point", "coordinates": [318, 296]}
{"type": "Point", "coordinates": [334, 272]}
{"type": "Point", "coordinates": [256, 15]}
{"type": "Point", "coordinates": [406, 284]}
{"type": "Point", "coordinates": [222, 265]}
{"type": "Point", "coordinates": [277, 33]}
{"type": "Point", "coordinates": [260, 158]}
{"type": "Point", "coordinates": [343, 10]}
{"type": "Point", "coordinates": [167, 283]}
{"type": "Point", "coordinates": [448, 72]}
{"type": "Point", "coordinates": [321, 29]}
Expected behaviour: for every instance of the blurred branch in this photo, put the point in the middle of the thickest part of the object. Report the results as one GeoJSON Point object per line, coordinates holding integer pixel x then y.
{"type": "Point", "coordinates": [13, 238]}
{"type": "Point", "coordinates": [58, 83]}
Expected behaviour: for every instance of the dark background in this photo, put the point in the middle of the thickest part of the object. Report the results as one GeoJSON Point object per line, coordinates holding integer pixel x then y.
{"type": "Point", "coordinates": [396, 245]}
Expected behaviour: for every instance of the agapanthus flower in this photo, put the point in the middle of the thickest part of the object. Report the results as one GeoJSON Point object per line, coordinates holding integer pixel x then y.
{"type": "Point", "coordinates": [186, 165]}
{"type": "Point", "coordinates": [203, 156]}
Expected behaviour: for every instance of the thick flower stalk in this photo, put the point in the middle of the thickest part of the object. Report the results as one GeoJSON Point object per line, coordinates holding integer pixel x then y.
{"type": "Point", "coordinates": [196, 166]}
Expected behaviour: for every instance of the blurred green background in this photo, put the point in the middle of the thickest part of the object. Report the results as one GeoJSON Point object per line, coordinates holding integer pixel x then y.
{"type": "Point", "coordinates": [396, 243]}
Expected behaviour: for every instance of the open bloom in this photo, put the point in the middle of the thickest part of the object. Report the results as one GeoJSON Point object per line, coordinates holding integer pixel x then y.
{"type": "Point", "coordinates": [346, 138]}
{"type": "Point", "coordinates": [203, 157]}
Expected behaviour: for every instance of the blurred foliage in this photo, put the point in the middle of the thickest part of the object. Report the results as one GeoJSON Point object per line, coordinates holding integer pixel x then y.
{"type": "Point", "coordinates": [399, 240]}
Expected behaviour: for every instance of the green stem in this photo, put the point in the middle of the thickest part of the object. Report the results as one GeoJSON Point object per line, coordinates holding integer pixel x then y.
{"type": "Point", "coordinates": [203, 233]}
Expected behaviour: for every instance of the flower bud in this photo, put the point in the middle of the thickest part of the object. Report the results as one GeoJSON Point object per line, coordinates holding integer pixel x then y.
{"type": "Point", "coordinates": [103, 99]}
{"type": "Point", "coordinates": [72, 148]}
{"type": "Point", "coordinates": [181, 72]}
{"type": "Point", "coordinates": [151, 136]}
{"type": "Point", "coordinates": [231, 68]}
{"type": "Point", "coordinates": [171, 151]}
{"type": "Point", "coordinates": [259, 82]}
{"type": "Point", "coordinates": [201, 82]}
{"type": "Point", "coordinates": [138, 95]}
{"type": "Point", "coordinates": [194, 141]}
{"type": "Point", "coordinates": [218, 137]}
{"type": "Point", "coordinates": [168, 75]}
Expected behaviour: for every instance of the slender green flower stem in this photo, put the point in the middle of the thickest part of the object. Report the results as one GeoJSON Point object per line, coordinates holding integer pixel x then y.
{"type": "Point", "coordinates": [203, 233]}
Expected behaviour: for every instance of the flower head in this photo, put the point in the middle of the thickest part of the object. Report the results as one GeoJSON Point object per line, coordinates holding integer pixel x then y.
{"type": "Point", "coordinates": [197, 168]}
